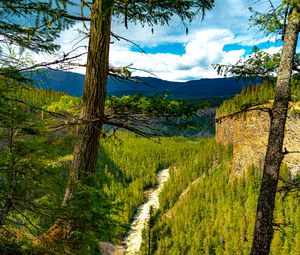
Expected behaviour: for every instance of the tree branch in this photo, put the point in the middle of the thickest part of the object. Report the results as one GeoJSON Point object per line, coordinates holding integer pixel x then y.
{"type": "Point", "coordinates": [232, 115]}
{"type": "Point", "coordinates": [56, 114]}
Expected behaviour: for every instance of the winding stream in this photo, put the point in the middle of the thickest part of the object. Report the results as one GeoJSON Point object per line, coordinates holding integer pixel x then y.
{"type": "Point", "coordinates": [134, 237]}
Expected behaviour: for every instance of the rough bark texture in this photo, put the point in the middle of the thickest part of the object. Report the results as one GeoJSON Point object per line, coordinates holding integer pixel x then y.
{"type": "Point", "coordinates": [263, 232]}
{"type": "Point", "coordinates": [86, 148]}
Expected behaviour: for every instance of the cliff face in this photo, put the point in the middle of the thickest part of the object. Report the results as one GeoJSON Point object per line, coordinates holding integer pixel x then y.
{"type": "Point", "coordinates": [248, 133]}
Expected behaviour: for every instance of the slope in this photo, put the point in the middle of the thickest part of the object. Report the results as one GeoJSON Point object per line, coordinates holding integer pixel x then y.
{"type": "Point", "coordinates": [72, 83]}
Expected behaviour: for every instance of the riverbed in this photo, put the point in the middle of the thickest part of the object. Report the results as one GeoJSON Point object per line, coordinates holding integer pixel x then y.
{"type": "Point", "coordinates": [134, 237]}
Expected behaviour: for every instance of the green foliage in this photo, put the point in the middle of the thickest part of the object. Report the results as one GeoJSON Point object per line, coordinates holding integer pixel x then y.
{"type": "Point", "coordinates": [34, 167]}
{"type": "Point", "coordinates": [192, 165]}
{"type": "Point", "coordinates": [28, 26]}
{"type": "Point", "coordinates": [154, 106]}
{"type": "Point", "coordinates": [35, 164]}
{"type": "Point", "coordinates": [129, 168]}
{"type": "Point", "coordinates": [29, 197]}
{"type": "Point", "coordinates": [216, 216]}
{"type": "Point", "coordinates": [213, 217]}
{"type": "Point", "coordinates": [93, 216]}
{"type": "Point", "coordinates": [33, 24]}
{"type": "Point", "coordinates": [159, 12]}
{"type": "Point", "coordinates": [273, 21]}
{"type": "Point", "coordinates": [154, 115]}
{"type": "Point", "coordinates": [66, 104]}
{"type": "Point", "coordinates": [206, 103]}
{"type": "Point", "coordinates": [259, 64]}
{"type": "Point", "coordinates": [253, 95]}
{"type": "Point", "coordinates": [256, 95]}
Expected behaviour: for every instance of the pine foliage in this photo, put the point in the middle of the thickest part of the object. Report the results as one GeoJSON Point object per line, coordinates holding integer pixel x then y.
{"type": "Point", "coordinates": [255, 95]}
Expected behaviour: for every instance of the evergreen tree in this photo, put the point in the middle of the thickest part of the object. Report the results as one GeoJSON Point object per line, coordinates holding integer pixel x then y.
{"type": "Point", "coordinates": [28, 24]}
{"type": "Point", "coordinates": [283, 20]}
{"type": "Point", "coordinates": [92, 113]}
{"type": "Point", "coordinates": [33, 24]}
{"type": "Point", "coordinates": [263, 232]}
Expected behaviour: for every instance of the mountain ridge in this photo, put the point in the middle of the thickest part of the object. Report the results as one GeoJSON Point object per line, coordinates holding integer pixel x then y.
{"type": "Point", "coordinates": [72, 83]}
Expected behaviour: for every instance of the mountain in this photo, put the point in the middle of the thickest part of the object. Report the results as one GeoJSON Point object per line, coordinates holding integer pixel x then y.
{"type": "Point", "coordinates": [72, 83]}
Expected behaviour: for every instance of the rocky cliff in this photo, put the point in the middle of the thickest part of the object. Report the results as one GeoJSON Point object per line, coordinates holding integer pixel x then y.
{"type": "Point", "coordinates": [248, 133]}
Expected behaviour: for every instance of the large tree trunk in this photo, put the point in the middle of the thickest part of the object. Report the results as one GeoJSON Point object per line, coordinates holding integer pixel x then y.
{"type": "Point", "coordinates": [263, 232]}
{"type": "Point", "coordinates": [86, 148]}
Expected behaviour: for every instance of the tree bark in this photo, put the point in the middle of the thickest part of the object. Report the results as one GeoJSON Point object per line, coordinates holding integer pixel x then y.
{"type": "Point", "coordinates": [263, 232]}
{"type": "Point", "coordinates": [86, 148]}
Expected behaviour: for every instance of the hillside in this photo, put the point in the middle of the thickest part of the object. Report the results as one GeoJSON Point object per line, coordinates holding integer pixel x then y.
{"type": "Point", "coordinates": [203, 210]}
{"type": "Point", "coordinates": [244, 122]}
{"type": "Point", "coordinates": [72, 83]}
{"type": "Point", "coordinates": [42, 144]}
{"type": "Point", "coordinates": [212, 211]}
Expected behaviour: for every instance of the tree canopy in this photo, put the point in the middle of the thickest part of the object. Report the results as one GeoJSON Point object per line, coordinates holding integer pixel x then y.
{"type": "Point", "coordinates": [29, 25]}
{"type": "Point", "coordinates": [33, 24]}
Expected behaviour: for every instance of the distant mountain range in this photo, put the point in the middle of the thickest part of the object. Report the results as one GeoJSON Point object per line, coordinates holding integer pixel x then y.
{"type": "Point", "coordinates": [72, 83]}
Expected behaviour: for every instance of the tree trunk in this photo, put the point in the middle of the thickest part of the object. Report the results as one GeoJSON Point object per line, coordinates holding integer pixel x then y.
{"type": "Point", "coordinates": [86, 148]}
{"type": "Point", "coordinates": [263, 232]}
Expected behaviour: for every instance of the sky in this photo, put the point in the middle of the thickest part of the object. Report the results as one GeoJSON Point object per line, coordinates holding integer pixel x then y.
{"type": "Point", "coordinates": [223, 37]}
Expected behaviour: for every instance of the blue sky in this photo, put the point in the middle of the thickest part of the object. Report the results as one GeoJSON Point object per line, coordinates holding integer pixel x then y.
{"type": "Point", "coordinates": [222, 37]}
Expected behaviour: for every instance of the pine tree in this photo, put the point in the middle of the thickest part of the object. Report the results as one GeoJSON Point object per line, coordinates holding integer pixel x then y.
{"type": "Point", "coordinates": [32, 25]}
{"type": "Point", "coordinates": [92, 113]}
{"type": "Point", "coordinates": [263, 233]}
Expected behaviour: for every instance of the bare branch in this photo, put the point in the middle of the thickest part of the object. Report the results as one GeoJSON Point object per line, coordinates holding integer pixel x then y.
{"type": "Point", "coordinates": [251, 108]}
{"type": "Point", "coordinates": [56, 114]}
{"type": "Point", "coordinates": [118, 37]}
{"type": "Point", "coordinates": [285, 152]}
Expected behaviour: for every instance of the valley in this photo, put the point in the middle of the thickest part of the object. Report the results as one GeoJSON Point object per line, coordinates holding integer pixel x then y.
{"type": "Point", "coordinates": [181, 138]}
{"type": "Point", "coordinates": [206, 205]}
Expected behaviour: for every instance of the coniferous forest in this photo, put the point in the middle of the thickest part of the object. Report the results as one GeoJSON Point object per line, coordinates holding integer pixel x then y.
{"type": "Point", "coordinates": [76, 173]}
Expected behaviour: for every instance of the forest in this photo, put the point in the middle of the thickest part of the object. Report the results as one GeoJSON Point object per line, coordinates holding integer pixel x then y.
{"type": "Point", "coordinates": [75, 171]}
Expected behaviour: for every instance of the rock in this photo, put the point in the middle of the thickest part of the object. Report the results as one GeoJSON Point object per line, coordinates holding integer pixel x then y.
{"type": "Point", "coordinates": [110, 249]}
{"type": "Point", "coordinates": [248, 133]}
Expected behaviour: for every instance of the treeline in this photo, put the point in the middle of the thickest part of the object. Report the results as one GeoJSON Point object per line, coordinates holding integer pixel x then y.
{"type": "Point", "coordinates": [204, 211]}
{"type": "Point", "coordinates": [132, 165]}
{"type": "Point", "coordinates": [34, 169]}
{"type": "Point", "coordinates": [36, 144]}
{"type": "Point", "coordinates": [254, 95]}
{"type": "Point", "coordinates": [211, 216]}
{"type": "Point", "coordinates": [216, 216]}
{"type": "Point", "coordinates": [168, 117]}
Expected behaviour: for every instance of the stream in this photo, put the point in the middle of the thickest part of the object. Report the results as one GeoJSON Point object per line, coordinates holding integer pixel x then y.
{"type": "Point", "coordinates": [134, 237]}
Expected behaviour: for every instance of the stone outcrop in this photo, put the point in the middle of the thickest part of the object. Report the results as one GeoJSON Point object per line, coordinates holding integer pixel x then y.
{"type": "Point", "coordinates": [248, 133]}
{"type": "Point", "coordinates": [111, 249]}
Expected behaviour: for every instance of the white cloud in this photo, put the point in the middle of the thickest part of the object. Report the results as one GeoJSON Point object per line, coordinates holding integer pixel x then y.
{"type": "Point", "coordinates": [227, 23]}
{"type": "Point", "coordinates": [226, 14]}
{"type": "Point", "coordinates": [254, 39]}
{"type": "Point", "coordinates": [232, 56]}
{"type": "Point", "coordinates": [203, 49]}
{"type": "Point", "coordinates": [273, 50]}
